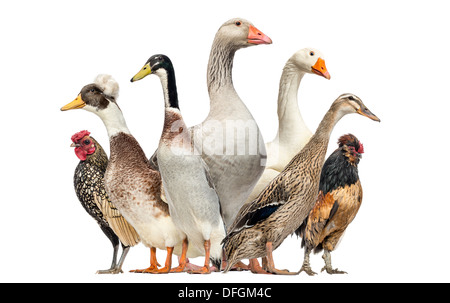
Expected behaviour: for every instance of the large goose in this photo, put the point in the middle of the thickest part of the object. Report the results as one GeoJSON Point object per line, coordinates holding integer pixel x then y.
{"type": "Point", "coordinates": [190, 193]}
{"type": "Point", "coordinates": [293, 133]}
{"type": "Point", "coordinates": [131, 183]}
{"type": "Point", "coordinates": [233, 170]}
{"type": "Point", "coordinates": [234, 173]}
{"type": "Point", "coordinates": [261, 226]}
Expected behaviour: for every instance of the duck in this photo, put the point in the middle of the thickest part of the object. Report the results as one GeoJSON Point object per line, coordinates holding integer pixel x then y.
{"type": "Point", "coordinates": [338, 202]}
{"type": "Point", "coordinates": [132, 184]}
{"type": "Point", "coordinates": [234, 173]}
{"type": "Point", "coordinates": [189, 189]}
{"type": "Point", "coordinates": [261, 226]}
{"type": "Point", "coordinates": [90, 190]}
{"type": "Point", "coordinates": [293, 133]}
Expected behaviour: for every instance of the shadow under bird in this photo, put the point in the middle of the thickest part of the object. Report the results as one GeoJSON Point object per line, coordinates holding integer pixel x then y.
{"type": "Point", "coordinates": [90, 190]}
{"type": "Point", "coordinates": [338, 202]}
{"type": "Point", "coordinates": [261, 226]}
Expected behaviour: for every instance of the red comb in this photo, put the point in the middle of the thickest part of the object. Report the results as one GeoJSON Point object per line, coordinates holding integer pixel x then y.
{"type": "Point", "coordinates": [361, 148]}
{"type": "Point", "coordinates": [80, 135]}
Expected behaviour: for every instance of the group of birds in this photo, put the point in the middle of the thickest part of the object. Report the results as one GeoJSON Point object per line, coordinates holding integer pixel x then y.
{"type": "Point", "coordinates": [193, 197]}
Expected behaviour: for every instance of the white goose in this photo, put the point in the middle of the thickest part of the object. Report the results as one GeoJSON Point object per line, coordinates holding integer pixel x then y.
{"type": "Point", "coordinates": [190, 193]}
{"type": "Point", "coordinates": [293, 134]}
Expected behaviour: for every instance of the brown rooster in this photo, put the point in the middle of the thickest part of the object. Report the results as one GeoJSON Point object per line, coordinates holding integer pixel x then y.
{"type": "Point", "coordinates": [90, 190]}
{"type": "Point", "coordinates": [339, 199]}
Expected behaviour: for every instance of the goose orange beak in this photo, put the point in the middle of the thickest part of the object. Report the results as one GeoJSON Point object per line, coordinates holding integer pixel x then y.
{"type": "Point", "coordinates": [77, 103]}
{"type": "Point", "coordinates": [320, 69]}
{"type": "Point", "coordinates": [255, 36]}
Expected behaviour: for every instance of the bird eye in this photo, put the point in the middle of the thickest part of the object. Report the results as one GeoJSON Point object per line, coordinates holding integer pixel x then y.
{"type": "Point", "coordinates": [92, 90]}
{"type": "Point", "coordinates": [238, 23]}
{"type": "Point", "coordinates": [311, 53]}
{"type": "Point", "coordinates": [86, 142]}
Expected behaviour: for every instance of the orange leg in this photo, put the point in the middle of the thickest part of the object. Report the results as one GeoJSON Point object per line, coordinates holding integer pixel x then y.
{"type": "Point", "coordinates": [256, 268]}
{"type": "Point", "coordinates": [183, 260]}
{"type": "Point", "coordinates": [270, 264]}
{"type": "Point", "coordinates": [168, 265]}
{"type": "Point", "coordinates": [153, 263]}
{"type": "Point", "coordinates": [205, 269]}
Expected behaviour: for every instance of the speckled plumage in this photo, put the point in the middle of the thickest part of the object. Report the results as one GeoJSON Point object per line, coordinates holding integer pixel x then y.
{"type": "Point", "coordinates": [283, 205]}
{"type": "Point", "coordinates": [89, 187]}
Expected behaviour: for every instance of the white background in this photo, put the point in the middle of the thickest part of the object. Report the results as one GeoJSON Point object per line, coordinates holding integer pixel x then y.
{"type": "Point", "coordinates": [394, 55]}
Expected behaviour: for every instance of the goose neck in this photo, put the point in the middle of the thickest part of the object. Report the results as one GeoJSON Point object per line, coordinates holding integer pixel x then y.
{"type": "Point", "coordinates": [220, 66]}
{"type": "Point", "coordinates": [327, 124]}
{"type": "Point", "coordinates": [290, 120]}
{"type": "Point", "coordinates": [113, 120]}
{"type": "Point", "coordinates": [169, 87]}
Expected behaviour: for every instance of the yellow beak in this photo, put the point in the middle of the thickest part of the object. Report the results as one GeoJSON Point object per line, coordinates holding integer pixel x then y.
{"type": "Point", "coordinates": [77, 103]}
{"type": "Point", "coordinates": [145, 71]}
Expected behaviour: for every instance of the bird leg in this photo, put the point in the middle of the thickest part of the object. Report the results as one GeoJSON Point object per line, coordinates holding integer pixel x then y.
{"type": "Point", "coordinates": [270, 264]}
{"type": "Point", "coordinates": [240, 266]}
{"type": "Point", "coordinates": [327, 258]}
{"type": "Point", "coordinates": [182, 260]}
{"type": "Point", "coordinates": [112, 269]}
{"type": "Point", "coordinates": [153, 263]}
{"type": "Point", "coordinates": [118, 268]}
{"type": "Point", "coordinates": [306, 267]}
{"type": "Point", "coordinates": [168, 265]}
{"type": "Point", "coordinates": [256, 268]}
{"type": "Point", "coordinates": [205, 269]}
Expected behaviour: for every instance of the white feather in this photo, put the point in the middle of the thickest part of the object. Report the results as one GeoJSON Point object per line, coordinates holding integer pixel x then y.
{"type": "Point", "coordinates": [109, 86]}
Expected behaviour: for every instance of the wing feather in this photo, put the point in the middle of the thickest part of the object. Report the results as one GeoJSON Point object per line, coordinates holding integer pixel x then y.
{"type": "Point", "coordinates": [126, 233]}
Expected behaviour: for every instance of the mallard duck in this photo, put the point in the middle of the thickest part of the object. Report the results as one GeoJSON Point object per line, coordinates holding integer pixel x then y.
{"type": "Point", "coordinates": [234, 174]}
{"type": "Point", "coordinates": [340, 196]}
{"type": "Point", "coordinates": [293, 133]}
{"type": "Point", "coordinates": [261, 226]}
{"type": "Point", "coordinates": [90, 190]}
{"type": "Point", "coordinates": [190, 193]}
{"type": "Point", "coordinates": [131, 183]}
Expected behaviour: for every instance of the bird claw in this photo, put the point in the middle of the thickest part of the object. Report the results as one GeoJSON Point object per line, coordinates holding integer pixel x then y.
{"type": "Point", "coordinates": [332, 271]}
{"type": "Point", "coordinates": [111, 271]}
{"type": "Point", "coordinates": [308, 270]}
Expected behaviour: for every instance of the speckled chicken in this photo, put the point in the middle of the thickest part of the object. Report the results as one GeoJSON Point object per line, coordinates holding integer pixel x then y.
{"type": "Point", "coordinates": [338, 202]}
{"type": "Point", "coordinates": [262, 225]}
{"type": "Point", "coordinates": [90, 190]}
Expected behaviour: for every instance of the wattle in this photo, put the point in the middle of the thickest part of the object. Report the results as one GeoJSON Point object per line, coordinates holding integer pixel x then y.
{"type": "Point", "coordinates": [81, 154]}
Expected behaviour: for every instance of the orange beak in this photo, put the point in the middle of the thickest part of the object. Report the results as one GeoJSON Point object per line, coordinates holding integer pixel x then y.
{"type": "Point", "coordinates": [255, 36]}
{"type": "Point", "coordinates": [320, 69]}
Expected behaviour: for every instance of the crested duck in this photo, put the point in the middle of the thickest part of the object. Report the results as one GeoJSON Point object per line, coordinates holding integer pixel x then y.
{"type": "Point", "coordinates": [261, 226]}
{"type": "Point", "coordinates": [293, 133]}
{"type": "Point", "coordinates": [90, 190]}
{"type": "Point", "coordinates": [340, 196]}
{"type": "Point", "coordinates": [131, 183]}
{"type": "Point", "coordinates": [190, 193]}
